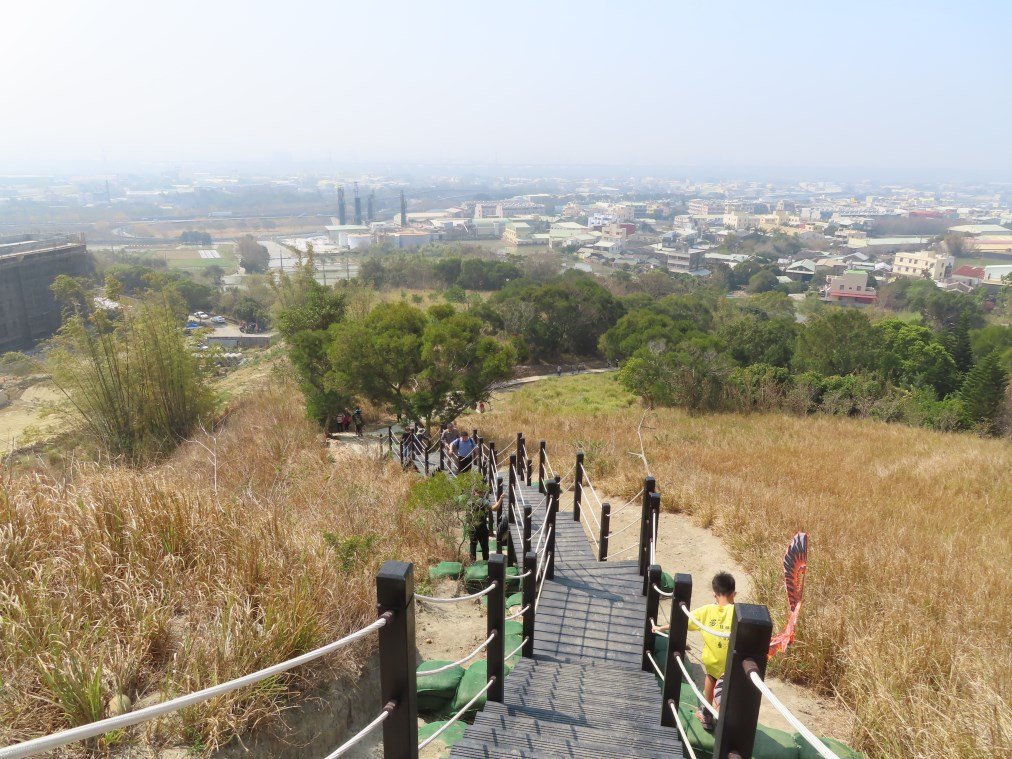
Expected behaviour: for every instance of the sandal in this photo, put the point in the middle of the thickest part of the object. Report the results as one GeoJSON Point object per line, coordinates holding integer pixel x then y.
{"type": "Point", "coordinates": [706, 719]}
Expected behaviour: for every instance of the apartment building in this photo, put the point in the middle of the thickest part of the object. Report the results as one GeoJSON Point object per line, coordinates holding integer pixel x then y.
{"type": "Point", "coordinates": [921, 264]}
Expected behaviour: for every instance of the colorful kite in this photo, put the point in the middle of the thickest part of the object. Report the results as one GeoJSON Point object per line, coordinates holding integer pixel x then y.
{"type": "Point", "coordinates": [795, 565]}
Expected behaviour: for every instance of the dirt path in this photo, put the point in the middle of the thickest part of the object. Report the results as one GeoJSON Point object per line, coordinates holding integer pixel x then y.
{"type": "Point", "coordinates": [685, 547]}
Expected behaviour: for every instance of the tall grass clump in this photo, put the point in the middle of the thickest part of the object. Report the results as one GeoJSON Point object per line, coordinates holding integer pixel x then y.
{"type": "Point", "coordinates": [131, 377]}
{"type": "Point", "coordinates": [908, 602]}
{"type": "Point", "coordinates": [246, 547]}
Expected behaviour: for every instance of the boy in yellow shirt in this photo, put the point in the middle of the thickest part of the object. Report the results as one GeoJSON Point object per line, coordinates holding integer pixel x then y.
{"type": "Point", "coordinates": [716, 616]}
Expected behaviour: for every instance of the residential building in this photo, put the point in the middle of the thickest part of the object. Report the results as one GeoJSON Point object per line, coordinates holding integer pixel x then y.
{"type": "Point", "coordinates": [739, 220]}
{"type": "Point", "coordinates": [801, 271]}
{"type": "Point", "coordinates": [681, 259]}
{"type": "Point", "coordinates": [971, 275]}
{"type": "Point", "coordinates": [29, 311]}
{"type": "Point", "coordinates": [517, 233]}
{"type": "Point", "coordinates": [849, 289]}
{"type": "Point", "coordinates": [924, 263]}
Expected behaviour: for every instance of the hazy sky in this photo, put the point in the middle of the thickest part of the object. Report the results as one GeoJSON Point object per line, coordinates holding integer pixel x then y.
{"type": "Point", "coordinates": [876, 85]}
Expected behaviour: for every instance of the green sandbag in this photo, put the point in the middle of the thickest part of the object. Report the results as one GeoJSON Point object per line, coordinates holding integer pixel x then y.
{"type": "Point", "coordinates": [515, 599]}
{"type": "Point", "coordinates": [771, 743]}
{"type": "Point", "coordinates": [434, 705]}
{"type": "Point", "coordinates": [440, 684]}
{"type": "Point", "coordinates": [667, 582]}
{"type": "Point", "coordinates": [701, 740]}
{"type": "Point", "coordinates": [476, 575]}
{"type": "Point", "coordinates": [444, 569]}
{"type": "Point", "coordinates": [512, 578]}
{"type": "Point", "coordinates": [513, 627]}
{"type": "Point", "coordinates": [511, 642]}
{"type": "Point", "coordinates": [842, 750]}
{"type": "Point", "coordinates": [473, 681]}
{"type": "Point", "coordinates": [448, 737]}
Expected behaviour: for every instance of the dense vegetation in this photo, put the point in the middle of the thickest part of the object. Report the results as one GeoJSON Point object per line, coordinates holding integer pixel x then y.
{"type": "Point", "coordinates": [907, 528]}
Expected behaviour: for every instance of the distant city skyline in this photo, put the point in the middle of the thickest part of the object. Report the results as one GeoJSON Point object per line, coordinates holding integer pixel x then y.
{"type": "Point", "coordinates": [901, 91]}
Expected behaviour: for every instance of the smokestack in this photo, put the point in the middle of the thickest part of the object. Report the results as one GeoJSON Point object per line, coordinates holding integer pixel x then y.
{"type": "Point", "coordinates": [342, 214]}
{"type": "Point", "coordinates": [369, 204]}
{"type": "Point", "coordinates": [358, 206]}
{"type": "Point", "coordinates": [404, 210]}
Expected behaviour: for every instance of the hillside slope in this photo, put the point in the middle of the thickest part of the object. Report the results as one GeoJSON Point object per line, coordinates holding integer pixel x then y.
{"type": "Point", "coordinates": [906, 610]}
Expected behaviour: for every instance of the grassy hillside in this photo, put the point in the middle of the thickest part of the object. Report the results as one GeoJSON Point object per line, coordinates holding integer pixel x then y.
{"type": "Point", "coordinates": [907, 608]}
{"type": "Point", "coordinates": [244, 549]}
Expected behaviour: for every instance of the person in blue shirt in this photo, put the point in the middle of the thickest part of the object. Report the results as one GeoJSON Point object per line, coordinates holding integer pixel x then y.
{"type": "Point", "coordinates": [463, 448]}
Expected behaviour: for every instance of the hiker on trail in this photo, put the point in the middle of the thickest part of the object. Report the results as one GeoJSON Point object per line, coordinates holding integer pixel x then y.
{"type": "Point", "coordinates": [478, 512]}
{"type": "Point", "coordinates": [558, 371]}
{"type": "Point", "coordinates": [356, 416]}
{"type": "Point", "coordinates": [463, 448]}
{"type": "Point", "coordinates": [718, 617]}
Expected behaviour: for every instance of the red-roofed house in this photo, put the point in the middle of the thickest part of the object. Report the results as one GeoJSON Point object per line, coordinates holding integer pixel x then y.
{"type": "Point", "coordinates": [971, 275]}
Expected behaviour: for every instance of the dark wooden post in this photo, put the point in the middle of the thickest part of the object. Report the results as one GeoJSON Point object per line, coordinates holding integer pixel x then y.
{"type": "Point", "coordinates": [676, 647]}
{"type": "Point", "coordinates": [751, 629]}
{"type": "Point", "coordinates": [390, 438]}
{"type": "Point", "coordinates": [511, 497]}
{"type": "Point", "coordinates": [553, 510]}
{"type": "Point", "coordinates": [493, 466]}
{"type": "Point", "coordinates": [403, 445]}
{"type": "Point", "coordinates": [655, 514]}
{"type": "Point", "coordinates": [424, 445]}
{"type": "Point", "coordinates": [541, 466]}
{"type": "Point", "coordinates": [481, 456]}
{"type": "Point", "coordinates": [530, 589]}
{"type": "Point", "coordinates": [520, 450]}
{"type": "Point", "coordinates": [649, 486]}
{"type": "Point", "coordinates": [530, 472]}
{"type": "Point", "coordinates": [496, 653]}
{"type": "Point", "coordinates": [511, 549]}
{"type": "Point", "coordinates": [578, 487]}
{"type": "Point", "coordinates": [502, 520]}
{"type": "Point", "coordinates": [527, 530]}
{"type": "Point", "coordinates": [442, 449]}
{"type": "Point", "coordinates": [602, 545]}
{"type": "Point", "coordinates": [395, 594]}
{"type": "Point", "coordinates": [653, 603]}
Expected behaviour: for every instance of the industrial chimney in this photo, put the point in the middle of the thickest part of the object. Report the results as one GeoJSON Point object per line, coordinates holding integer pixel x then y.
{"type": "Point", "coordinates": [342, 215]}
{"type": "Point", "coordinates": [358, 206]}
{"type": "Point", "coordinates": [404, 210]}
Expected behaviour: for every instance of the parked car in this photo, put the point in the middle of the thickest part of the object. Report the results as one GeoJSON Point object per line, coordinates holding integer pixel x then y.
{"type": "Point", "coordinates": [202, 315]}
{"type": "Point", "coordinates": [218, 319]}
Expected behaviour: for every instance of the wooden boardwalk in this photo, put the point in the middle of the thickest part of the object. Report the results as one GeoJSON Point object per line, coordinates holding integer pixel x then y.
{"type": "Point", "coordinates": [584, 693]}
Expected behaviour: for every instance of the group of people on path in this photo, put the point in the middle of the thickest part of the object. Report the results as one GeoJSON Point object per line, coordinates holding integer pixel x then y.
{"type": "Point", "coordinates": [347, 418]}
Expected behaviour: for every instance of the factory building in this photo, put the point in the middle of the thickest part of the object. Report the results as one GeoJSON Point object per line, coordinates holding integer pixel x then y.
{"type": "Point", "coordinates": [29, 311]}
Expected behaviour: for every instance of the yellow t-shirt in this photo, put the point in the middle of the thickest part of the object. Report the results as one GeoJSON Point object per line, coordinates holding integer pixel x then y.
{"type": "Point", "coordinates": [714, 648]}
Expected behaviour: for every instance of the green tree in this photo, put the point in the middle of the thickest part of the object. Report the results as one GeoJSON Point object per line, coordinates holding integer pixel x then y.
{"type": "Point", "coordinates": [693, 374]}
{"type": "Point", "coordinates": [912, 356]}
{"type": "Point", "coordinates": [993, 337]}
{"type": "Point", "coordinates": [253, 257]}
{"type": "Point", "coordinates": [983, 393]}
{"type": "Point", "coordinates": [752, 339]}
{"type": "Point", "coordinates": [836, 341]}
{"type": "Point", "coordinates": [762, 281]}
{"type": "Point", "coordinates": [426, 366]}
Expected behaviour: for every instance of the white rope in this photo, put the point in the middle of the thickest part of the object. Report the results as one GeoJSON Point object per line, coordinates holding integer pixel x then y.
{"type": "Point", "coordinates": [699, 696]}
{"type": "Point", "coordinates": [698, 624]}
{"type": "Point", "coordinates": [797, 724]}
{"type": "Point", "coordinates": [457, 663]}
{"type": "Point", "coordinates": [548, 464]}
{"type": "Point", "coordinates": [517, 649]}
{"type": "Point", "coordinates": [347, 745]}
{"type": "Point", "coordinates": [83, 732]}
{"type": "Point", "coordinates": [455, 599]}
{"type": "Point", "coordinates": [615, 533]}
{"type": "Point", "coordinates": [657, 669]}
{"type": "Point", "coordinates": [590, 528]}
{"type": "Point", "coordinates": [663, 593]}
{"type": "Point", "coordinates": [592, 489]}
{"type": "Point", "coordinates": [456, 716]}
{"type": "Point", "coordinates": [548, 537]}
{"type": "Point", "coordinates": [525, 574]}
{"type": "Point", "coordinates": [627, 503]}
{"type": "Point", "coordinates": [681, 730]}
{"type": "Point", "coordinates": [619, 553]}
{"type": "Point", "coordinates": [544, 576]}
{"type": "Point", "coordinates": [518, 614]}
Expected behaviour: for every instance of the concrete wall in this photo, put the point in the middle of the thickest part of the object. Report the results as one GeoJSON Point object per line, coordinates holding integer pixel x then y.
{"type": "Point", "coordinates": [28, 310]}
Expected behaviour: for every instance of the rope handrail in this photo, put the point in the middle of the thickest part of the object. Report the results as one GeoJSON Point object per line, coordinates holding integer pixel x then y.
{"type": "Point", "coordinates": [343, 749]}
{"type": "Point", "coordinates": [614, 533]}
{"type": "Point", "coordinates": [593, 490]}
{"type": "Point", "coordinates": [456, 716]}
{"type": "Point", "coordinates": [93, 729]}
{"type": "Point", "coordinates": [701, 626]}
{"type": "Point", "coordinates": [699, 695]}
{"type": "Point", "coordinates": [681, 730]}
{"type": "Point", "coordinates": [619, 553]}
{"type": "Point", "coordinates": [663, 593]}
{"type": "Point", "coordinates": [548, 537]}
{"type": "Point", "coordinates": [657, 669]}
{"type": "Point", "coordinates": [518, 614]}
{"type": "Point", "coordinates": [454, 599]}
{"type": "Point", "coordinates": [589, 528]}
{"type": "Point", "coordinates": [752, 670]}
{"type": "Point", "coordinates": [631, 501]}
{"type": "Point", "coordinates": [457, 663]}
{"type": "Point", "coordinates": [516, 650]}
{"type": "Point", "coordinates": [544, 576]}
{"type": "Point", "coordinates": [548, 465]}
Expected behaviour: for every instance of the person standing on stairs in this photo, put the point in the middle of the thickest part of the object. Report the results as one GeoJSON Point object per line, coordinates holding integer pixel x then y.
{"type": "Point", "coordinates": [478, 512]}
{"type": "Point", "coordinates": [716, 616]}
{"type": "Point", "coordinates": [463, 448]}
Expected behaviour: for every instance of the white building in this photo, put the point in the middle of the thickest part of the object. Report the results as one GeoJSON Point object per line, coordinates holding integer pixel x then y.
{"type": "Point", "coordinates": [924, 263]}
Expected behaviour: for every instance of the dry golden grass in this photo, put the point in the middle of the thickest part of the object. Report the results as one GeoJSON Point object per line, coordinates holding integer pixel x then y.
{"type": "Point", "coordinates": [168, 580]}
{"type": "Point", "coordinates": [908, 604]}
